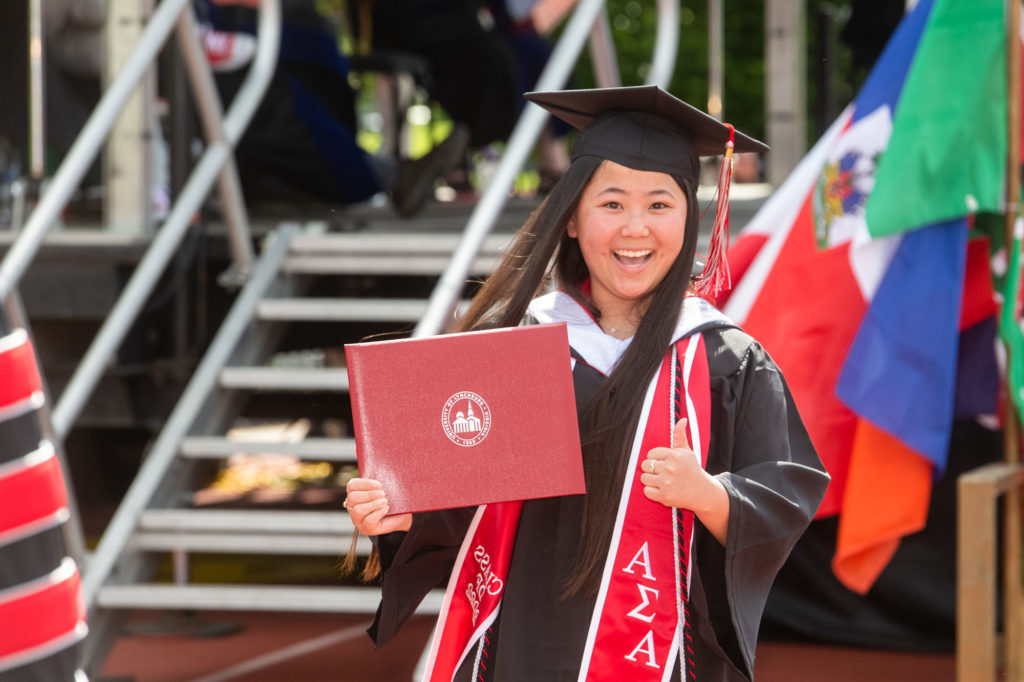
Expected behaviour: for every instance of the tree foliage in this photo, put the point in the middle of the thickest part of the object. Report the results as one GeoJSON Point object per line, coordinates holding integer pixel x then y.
{"type": "Point", "coordinates": [633, 24]}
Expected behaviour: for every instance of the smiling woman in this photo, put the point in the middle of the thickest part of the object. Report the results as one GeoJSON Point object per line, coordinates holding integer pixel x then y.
{"type": "Point", "coordinates": [630, 226]}
{"type": "Point", "coordinates": [700, 476]}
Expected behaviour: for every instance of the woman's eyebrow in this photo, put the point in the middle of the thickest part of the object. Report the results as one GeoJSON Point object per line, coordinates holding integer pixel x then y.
{"type": "Point", "coordinates": [619, 190]}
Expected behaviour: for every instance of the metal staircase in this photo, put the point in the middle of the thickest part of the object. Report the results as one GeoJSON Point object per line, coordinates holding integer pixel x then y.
{"type": "Point", "coordinates": [155, 516]}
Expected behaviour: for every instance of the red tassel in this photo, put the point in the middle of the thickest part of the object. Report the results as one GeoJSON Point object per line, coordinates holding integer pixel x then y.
{"type": "Point", "coordinates": [715, 276]}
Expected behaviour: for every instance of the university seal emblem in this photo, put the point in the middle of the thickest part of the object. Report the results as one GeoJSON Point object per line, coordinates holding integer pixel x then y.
{"type": "Point", "coordinates": [466, 419]}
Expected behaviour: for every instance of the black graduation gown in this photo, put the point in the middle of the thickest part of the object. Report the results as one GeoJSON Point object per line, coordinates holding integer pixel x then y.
{"type": "Point", "coordinates": [761, 453]}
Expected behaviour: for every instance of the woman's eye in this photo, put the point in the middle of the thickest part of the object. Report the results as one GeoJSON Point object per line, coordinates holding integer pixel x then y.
{"type": "Point", "coordinates": [612, 204]}
{"type": "Point", "coordinates": [659, 205]}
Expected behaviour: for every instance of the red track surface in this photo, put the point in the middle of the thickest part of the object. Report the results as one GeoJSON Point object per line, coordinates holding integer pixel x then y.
{"type": "Point", "coordinates": [325, 648]}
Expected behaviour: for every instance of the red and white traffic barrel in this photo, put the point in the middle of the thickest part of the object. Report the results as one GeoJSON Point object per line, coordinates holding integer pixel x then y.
{"type": "Point", "coordinates": [42, 616]}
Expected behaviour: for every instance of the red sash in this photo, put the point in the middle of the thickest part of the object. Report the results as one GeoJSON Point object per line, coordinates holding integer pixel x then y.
{"type": "Point", "coordinates": [639, 615]}
{"type": "Point", "coordinates": [475, 589]}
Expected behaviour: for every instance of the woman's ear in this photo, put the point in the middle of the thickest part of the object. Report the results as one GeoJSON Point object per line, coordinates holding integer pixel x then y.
{"type": "Point", "coordinates": [571, 228]}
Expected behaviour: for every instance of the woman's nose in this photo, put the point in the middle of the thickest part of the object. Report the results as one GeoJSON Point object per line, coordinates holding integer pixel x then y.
{"type": "Point", "coordinates": [635, 225]}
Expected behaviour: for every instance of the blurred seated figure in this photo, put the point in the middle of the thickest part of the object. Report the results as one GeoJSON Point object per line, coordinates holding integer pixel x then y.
{"type": "Point", "coordinates": [523, 25]}
{"type": "Point", "coordinates": [472, 68]}
{"type": "Point", "coordinates": [301, 142]}
{"type": "Point", "coordinates": [75, 34]}
{"type": "Point", "coordinates": [746, 167]}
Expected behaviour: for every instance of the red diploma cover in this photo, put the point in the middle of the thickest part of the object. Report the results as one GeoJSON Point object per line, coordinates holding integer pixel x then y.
{"type": "Point", "coordinates": [467, 419]}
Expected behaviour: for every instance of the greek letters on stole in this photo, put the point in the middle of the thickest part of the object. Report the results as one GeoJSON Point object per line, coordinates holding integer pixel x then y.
{"type": "Point", "coordinates": [638, 627]}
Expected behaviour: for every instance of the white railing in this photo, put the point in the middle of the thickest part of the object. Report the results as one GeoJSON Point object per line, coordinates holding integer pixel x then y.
{"type": "Point", "coordinates": [216, 164]}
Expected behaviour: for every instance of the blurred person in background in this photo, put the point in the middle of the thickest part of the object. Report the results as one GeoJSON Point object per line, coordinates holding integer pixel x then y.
{"type": "Point", "coordinates": [301, 143]}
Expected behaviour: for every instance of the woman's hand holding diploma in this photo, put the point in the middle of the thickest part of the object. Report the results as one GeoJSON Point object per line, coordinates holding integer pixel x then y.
{"type": "Point", "coordinates": [368, 507]}
{"type": "Point", "coordinates": [674, 477]}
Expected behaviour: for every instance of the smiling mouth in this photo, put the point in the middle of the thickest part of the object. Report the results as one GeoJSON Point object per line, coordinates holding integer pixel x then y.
{"type": "Point", "coordinates": [633, 258]}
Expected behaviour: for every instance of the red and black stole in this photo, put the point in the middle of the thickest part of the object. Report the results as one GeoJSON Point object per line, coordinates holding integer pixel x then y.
{"type": "Point", "coordinates": [639, 625]}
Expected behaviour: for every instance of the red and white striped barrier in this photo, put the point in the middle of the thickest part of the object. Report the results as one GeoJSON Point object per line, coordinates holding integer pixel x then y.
{"type": "Point", "coordinates": [42, 616]}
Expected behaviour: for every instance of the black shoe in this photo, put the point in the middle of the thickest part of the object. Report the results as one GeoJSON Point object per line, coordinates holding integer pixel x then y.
{"type": "Point", "coordinates": [416, 178]}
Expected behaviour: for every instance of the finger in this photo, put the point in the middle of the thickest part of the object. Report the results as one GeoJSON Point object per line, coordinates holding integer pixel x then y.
{"type": "Point", "coordinates": [395, 522]}
{"type": "Point", "coordinates": [362, 510]}
{"type": "Point", "coordinates": [363, 496]}
{"type": "Point", "coordinates": [647, 479]}
{"type": "Point", "coordinates": [652, 493]}
{"type": "Point", "coordinates": [373, 519]}
{"type": "Point", "coordinates": [658, 454]}
{"type": "Point", "coordinates": [362, 484]}
{"type": "Point", "coordinates": [679, 437]}
{"type": "Point", "coordinates": [656, 463]}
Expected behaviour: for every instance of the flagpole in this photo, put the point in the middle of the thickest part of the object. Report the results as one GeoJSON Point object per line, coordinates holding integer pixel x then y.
{"type": "Point", "coordinates": [1013, 618]}
{"type": "Point", "coordinates": [1013, 104]}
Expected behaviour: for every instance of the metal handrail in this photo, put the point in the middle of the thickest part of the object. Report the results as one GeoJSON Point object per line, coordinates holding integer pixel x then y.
{"type": "Point", "coordinates": [217, 162]}
{"type": "Point", "coordinates": [210, 166]}
{"type": "Point", "coordinates": [602, 53]}
{"type": "Point", "coordinates": [145, 483]}
{"type": "Point", "coordinates": [446, 293]}
{"type": "Point", "coordinates": [86, 147]}
{"type": "Point", "coordinates": [212, 117]}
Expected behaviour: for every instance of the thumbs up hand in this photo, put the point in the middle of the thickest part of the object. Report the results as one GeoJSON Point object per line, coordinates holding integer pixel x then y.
{"type": "Point", "coordinates": [674, 477]}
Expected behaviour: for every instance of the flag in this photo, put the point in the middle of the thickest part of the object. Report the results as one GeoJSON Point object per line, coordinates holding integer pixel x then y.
{"type": "Point", "coordinates": [1010, 326]}
{"type": "Point", "coordinates": [852, 275]}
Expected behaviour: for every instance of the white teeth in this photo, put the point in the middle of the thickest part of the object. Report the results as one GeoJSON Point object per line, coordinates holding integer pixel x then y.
{"type": "Point", "coordinates": [633, 254]}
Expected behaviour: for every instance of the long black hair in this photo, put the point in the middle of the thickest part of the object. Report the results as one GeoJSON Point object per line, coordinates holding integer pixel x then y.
{"type": "Point", "coordinates": [608, 418]}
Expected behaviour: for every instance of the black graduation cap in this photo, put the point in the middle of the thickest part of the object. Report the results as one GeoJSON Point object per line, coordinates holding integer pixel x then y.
{"type": "Point", "coordinates": [646, 128]}
{"type": "Point", "coordinates": [643, 127]}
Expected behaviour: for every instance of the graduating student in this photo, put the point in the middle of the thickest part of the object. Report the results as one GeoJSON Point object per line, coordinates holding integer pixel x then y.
{"type": "Point", "coordinates": [700, 474]}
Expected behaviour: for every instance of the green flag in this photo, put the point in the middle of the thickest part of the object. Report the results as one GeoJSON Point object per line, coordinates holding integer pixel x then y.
{"type": "Point", "coordinates": [1010, 330]}
{"type": "Point", "coordinates": [947, 153]}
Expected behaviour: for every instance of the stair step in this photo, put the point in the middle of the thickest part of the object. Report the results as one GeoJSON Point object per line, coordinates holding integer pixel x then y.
{"type": "Point", "coordinates": [304, 544]}
{"type": "Point", "coordinates": [285, 378]}
{"type": "Point", "coordinates": [342, 309]}
{"type": "Point", "coordinates": [247, 521]}
{"type": "Point", "coordinates": [326, 449]}
{"type": "Point", "coordinates": [322, 533]}
{"type": "Point", "coordinates": [345, 309]}
{"type": "Point", "coordinates": [375, 264]}
{"type": "Point", "coordinates": [382, 253]}
{"type": "Point", "coordinates": [391, 243]}
{"type": "Point", "coordinates": [299, 598]}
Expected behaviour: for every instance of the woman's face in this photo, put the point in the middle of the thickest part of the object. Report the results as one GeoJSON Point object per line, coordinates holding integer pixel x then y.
{"type": "Point", "coordinates": [630, 225]}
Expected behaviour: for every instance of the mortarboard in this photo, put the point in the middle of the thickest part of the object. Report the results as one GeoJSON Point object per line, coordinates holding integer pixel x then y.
{"type": "Point", "coordinates": [646, 128]}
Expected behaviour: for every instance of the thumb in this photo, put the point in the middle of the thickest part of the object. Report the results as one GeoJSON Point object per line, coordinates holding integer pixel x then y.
{"type": "Point", "coordinates": [679, 437]}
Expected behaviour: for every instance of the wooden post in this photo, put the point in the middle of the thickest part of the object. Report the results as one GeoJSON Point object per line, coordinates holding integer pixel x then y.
{"type": "Point", "coordinates": [977, 493]}
{"type": "Point", "coordinates": [1013, 122]}
{"type": "Point", "coordinates": [976, 578]}
{"type": "Point", "coordinates": [1013, 599]}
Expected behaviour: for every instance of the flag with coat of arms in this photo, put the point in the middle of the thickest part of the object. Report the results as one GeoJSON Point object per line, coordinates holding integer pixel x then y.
{"type": "Point", "coordinates": [865, 279]}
